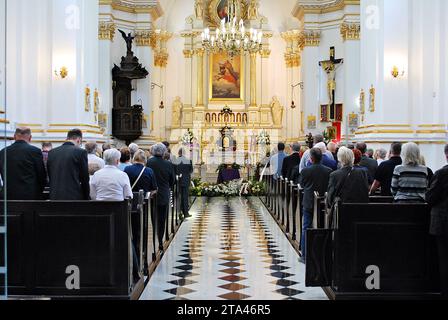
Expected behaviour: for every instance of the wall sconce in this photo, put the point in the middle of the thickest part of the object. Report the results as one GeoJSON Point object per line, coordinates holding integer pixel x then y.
{"type": "Point", "coordinates": [62, 73]}
{"type": "Point", "coordinates": [300, 84]}
{"type": "Point", "coordinates": [396, 73]}
{"type": "Point", "coordinates": [153, 86]}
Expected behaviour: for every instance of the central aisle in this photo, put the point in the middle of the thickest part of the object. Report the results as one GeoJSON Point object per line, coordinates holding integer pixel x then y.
{"type": "Point", "coordinates": [231, 250]}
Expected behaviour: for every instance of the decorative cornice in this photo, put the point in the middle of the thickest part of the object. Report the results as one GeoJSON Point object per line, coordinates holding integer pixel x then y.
{"type": "Point", "coordinates": [106, 30]}
{"type": "Point", "coordinates": [151, 7]}
{"type": "Point", "coordinates": [350, 31]}
{"type": "Point", "coordinates": [320, 6]}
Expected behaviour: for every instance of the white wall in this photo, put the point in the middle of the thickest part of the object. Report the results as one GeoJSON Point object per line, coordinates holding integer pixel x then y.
{"type": "Point", "coordinates": [412, 107]}
{"type": "Point", "coordinates": [43, 36]}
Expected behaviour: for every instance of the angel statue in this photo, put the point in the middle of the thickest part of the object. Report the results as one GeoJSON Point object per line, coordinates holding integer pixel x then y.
{"type": "Point", "coordinates": [129, 39]}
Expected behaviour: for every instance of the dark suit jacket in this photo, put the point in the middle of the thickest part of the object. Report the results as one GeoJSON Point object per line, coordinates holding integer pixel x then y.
{"type": "Point", "coordinates": [184, 169]}
{"type": "Point", "coordinates": [355, 190]}
{"type": "Point", "coordinates": [147, 181]}
{"type": "Point", "coordinates": [289, 163]}
{"type": "Point", "coordinates": [437, 197]}
{"type": "Point", "coordinates": [371, 165]}
{"type": "Point", "coordinates": [312, 179]}
{"type": "Point", "coordinates": [68, 171]}
{"type": "Point", "coordinates": [165, 177]}
{"type": "Point", "coordinates": [25, 171]}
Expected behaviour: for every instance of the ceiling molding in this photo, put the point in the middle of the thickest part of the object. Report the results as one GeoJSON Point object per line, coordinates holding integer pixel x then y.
{"type": "Point", "coordinates": [151, 7]}
{"type": "Point", "coordinates": [320, 6]}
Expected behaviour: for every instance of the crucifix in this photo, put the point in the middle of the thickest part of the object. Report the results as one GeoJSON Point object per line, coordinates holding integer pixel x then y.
{"type": "Point", "coordinates": [330, 67]}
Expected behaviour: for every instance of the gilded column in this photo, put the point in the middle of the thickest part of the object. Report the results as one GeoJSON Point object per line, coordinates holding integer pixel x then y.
{"type": "Point", "coordinates": [253, 79]}
{"type": "Point", "coordinates": [200, 97]}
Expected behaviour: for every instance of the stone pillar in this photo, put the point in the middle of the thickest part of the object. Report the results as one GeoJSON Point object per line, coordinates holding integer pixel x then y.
{"type": "Point", "coordinates": [253, 79]}
{"type": "Point", "coordinates": [200, 92]}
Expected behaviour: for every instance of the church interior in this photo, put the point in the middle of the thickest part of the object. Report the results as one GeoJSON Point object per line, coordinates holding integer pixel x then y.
{"type": "Point", "coordinates": [229, 85]}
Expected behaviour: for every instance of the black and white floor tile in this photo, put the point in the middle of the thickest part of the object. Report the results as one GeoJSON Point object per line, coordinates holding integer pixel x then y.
{"type": "Point", "coordinates": [231, 249]}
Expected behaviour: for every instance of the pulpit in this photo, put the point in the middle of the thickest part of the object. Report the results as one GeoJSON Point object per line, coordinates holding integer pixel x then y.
{"type": "Point", "coordinates": [127, 120]}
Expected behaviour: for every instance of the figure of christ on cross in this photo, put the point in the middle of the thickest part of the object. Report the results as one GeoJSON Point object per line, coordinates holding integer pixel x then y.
{"type": "Point", "coordinates": [330, 67]}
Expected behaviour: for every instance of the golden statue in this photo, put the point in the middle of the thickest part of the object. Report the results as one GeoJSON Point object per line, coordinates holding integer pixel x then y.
{"type": "Point", "coordinates": [177, 112]}
{"type": "Point", "coordinates": [277, 111]}
{"type": "Point", "coordinates": [198, 9]}
{"type": "Point", "coordinates": [252, 12]}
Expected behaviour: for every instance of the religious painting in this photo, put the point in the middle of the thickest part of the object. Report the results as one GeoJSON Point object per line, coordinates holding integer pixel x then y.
{"type": "Point", "coordinates": [353, 120]}
{"type": "Point", "coordinates": [102, 120]}
{"type": "Point", "coordinates": [372, 99]}
{"type": "Point", "coordinates": [324, 113]}
{"type": "Point", "coordinates": [312, 122]}
{"type": "Point", "coordinates": [339, 113]}
{"type": "Point", "coordinates": [87, 102]}
{"type": "Point", "coordinates": [226, 78]}
{"type": "Point", "coordinates": [332, 133]}
{"type": "Point", "coordinates": [222, 9]}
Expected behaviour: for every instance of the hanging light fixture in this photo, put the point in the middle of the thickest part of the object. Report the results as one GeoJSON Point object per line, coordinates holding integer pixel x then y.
{"type": "Point", "coordinates": [232, 37]}
{"type": "Point", "coordinates": [293, 104]}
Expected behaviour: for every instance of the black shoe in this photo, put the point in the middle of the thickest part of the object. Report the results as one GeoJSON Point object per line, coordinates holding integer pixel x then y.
{"type": "Point", "coordinates": [188, 216]}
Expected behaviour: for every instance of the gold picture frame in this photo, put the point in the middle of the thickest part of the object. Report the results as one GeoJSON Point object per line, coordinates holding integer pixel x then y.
{"type": "Point", "coordinates": [102, 120]}
{"type": "Point", "coordinates": [88, 100]}
{"type": "Point", "coordinates": [216, 60]}
{"type": "Point", "coordinates": [353, 120]}
{"type": "Point", "coordinates": [214, 18]}
{"type": "Point", "coordinates": [362, 101]}
{"type": "Point", "coordinates": [96, 101]}
{"type": "Point", "coordinates": [372, 99]}
{"type": "Point", "coordinates": [312, 122]}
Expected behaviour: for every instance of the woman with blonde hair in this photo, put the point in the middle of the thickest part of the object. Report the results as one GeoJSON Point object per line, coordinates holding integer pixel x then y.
{"type": "Point", "coordinates": [410, 180]}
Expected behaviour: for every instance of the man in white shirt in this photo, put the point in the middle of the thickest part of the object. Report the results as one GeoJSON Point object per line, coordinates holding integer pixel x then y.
{"type": "Point", "coordinates": [110, 183]}
{"type": "Point", "coordinates": [95, 162]}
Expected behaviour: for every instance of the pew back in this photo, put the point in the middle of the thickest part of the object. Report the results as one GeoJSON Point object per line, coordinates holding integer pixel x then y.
{"type": "Point", "coordinates": [392, 237]}
{"type": "Point", "coordinates": [45, 238]}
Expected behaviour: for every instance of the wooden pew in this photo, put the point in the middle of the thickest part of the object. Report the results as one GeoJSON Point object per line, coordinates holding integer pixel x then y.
{"type": "Point", "coordinates": [46, 238]}
{"type": "Point", "coordinates": [393, 237]}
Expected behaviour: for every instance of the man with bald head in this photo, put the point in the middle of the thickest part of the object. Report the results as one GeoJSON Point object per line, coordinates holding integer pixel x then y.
{"type": "Point", "coordinates": [22, 168]}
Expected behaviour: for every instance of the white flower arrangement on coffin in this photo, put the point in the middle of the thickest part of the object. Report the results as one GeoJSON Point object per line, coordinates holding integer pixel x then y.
{"type": "Point", "coordinates": [264, 138]}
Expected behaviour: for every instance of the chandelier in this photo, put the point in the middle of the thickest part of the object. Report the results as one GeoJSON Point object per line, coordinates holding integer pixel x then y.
{"type": "Point", "coordinates": [232, 37]}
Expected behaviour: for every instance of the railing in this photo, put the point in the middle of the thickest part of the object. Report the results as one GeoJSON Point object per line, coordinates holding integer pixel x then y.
{"type": "Point", "coordinates": [219, 118]}
{"type": "Point", "coordinates": [283, 199]}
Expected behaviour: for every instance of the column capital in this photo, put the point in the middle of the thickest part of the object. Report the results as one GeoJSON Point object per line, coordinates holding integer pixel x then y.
{"type": "Point", "coordinates": [350, 31]}
{"type": "Point", "coordinates": [106, 30]}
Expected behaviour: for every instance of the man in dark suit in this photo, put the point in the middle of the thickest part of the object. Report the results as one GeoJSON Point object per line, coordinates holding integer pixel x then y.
{"type": "Point", "coordinates": [312, 179]}
{"type": "Point", "coordinates": [366, 162]}
{"type": "Point", "coordinates": [68, 170]}
{"type": "Point", "coordinates": [437, 197]}
{"type": "Point", "coordinates": [291, 162]}
{"type": "Point", "coordinates": [22, 168]}
{"type": "Point", "coordinates": [165, 177]}
{"type": "Point", "coordinates": [184, 167]}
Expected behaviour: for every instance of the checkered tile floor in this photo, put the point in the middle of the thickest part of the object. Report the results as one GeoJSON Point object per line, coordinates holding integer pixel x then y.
{"type": "Point", "coordinates": [230, 250]}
